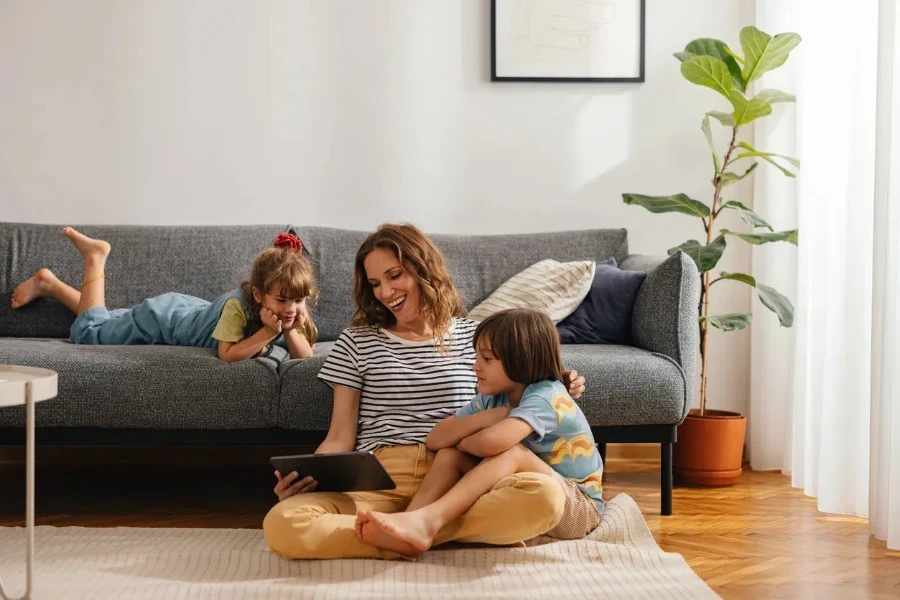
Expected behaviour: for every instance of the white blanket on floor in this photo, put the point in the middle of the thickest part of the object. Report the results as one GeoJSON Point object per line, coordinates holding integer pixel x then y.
{"type": "Point", "coordinates": [620, 559]}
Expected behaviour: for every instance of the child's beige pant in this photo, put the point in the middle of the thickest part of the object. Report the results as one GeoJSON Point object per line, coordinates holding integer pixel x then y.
{"type": "Point", "coordinates": [321, 524]}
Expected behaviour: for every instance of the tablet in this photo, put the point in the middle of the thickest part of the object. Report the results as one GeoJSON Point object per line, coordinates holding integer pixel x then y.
{"type": "Point", "coordinates": [338, 472]}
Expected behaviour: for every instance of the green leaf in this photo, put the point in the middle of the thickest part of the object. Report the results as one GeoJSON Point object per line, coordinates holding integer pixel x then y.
{"type": "Point", "coordinates": [708, 71]}
{"type": "Point", "coordinates": [706, 257]}
{"type": "Point", "coordinates": [745, 110]}
{"type": "Point", "coordinates": [762, 52]}
{"type": "Point", "coordinates": [734, 56]}
{"type": "Point", "coordinates": [663, 204]}
{"type": "Point", "coordinates": [717, 49]}
{"type": "Point", "coordinates": [748, 279]}
{"type": "Point", "coordinates": [767, 156]}
{"type": "Point", "coordinates": [728, 177]}
{"type": "Point", "coordinates": [724, 118]}
{"type": "Point", "coordinates": [747, 146]}
{"type": "Point", "coordinates": [708, 133]}
{"type": "Point", "coordinates": [748, 215]}
{"type": "Point", "coordinates": [732, 322]}
{"type": "Point", "coordinates": [765, 238]}
{"type": "Point", "coordinates": [773, 96]}
{"type": "Point", "coordinates": [778, 304]}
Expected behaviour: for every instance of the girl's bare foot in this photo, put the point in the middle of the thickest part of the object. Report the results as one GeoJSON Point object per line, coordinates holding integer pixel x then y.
{"type": "Point", "coordinates": [38, 286]}
{"type": "Point", "coordinates": [409, 527]}
{"type": "Point", "coordinates": [372, 535]}
{"type": "Point", "coordinates": [88, 247]}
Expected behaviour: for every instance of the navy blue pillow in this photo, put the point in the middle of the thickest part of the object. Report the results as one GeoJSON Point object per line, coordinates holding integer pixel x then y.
{"type": "Point", "coordinates": [604, 317]}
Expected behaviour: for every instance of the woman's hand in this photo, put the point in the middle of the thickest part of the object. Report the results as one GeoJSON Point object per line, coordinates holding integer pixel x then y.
{"type": "Point", "coordinates": [270, 320]}
{"type": "Point", "coordinates": [574, 383]}
{"type": "Point", "coordinates": [286, 487]}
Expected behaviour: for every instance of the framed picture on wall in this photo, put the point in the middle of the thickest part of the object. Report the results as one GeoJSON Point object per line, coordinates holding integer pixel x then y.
{"type": "Point", "coordinates": [567, 40]}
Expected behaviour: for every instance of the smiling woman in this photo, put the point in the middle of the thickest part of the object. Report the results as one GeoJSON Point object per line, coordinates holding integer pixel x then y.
{"type": "Point", "coordinates": [405, 363]}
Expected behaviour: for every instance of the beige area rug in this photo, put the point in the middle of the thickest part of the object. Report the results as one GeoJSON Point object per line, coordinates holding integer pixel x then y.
{"type": "Point", "coordinates": [619, 559]}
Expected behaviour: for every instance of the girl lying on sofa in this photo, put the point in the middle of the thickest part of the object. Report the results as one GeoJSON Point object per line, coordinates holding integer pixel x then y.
{"type": "Point", "coordinates": [241, 324]}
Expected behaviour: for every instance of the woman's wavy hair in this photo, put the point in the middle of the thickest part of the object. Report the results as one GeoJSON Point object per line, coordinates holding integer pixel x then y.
{"type": "Point", "coordinates": [419, 256]}
{"type": "Point", "coordinates": [287, 268]}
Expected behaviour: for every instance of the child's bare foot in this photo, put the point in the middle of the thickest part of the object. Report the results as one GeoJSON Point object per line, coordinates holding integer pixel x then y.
{"type": "Point", "coordinates": [88, 247]}
{"type": "Point", "coordinates": [32, 289]}
{"type": "Point", "coordinates": [409, 527]}
{"type": "Point", "coordinates": [372, 535]}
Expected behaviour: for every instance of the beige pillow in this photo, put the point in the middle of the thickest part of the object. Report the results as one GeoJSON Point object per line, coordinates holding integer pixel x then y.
{"type": "Point", "coordinates": [549, 286]}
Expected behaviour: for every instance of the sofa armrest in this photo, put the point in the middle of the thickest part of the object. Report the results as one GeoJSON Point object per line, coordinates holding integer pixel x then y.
{"type": "Point", "coordinates": [664, 319]}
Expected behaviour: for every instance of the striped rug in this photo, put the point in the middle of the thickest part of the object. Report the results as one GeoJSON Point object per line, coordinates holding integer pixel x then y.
{"type": "Point", "coordinates": [619, 559]}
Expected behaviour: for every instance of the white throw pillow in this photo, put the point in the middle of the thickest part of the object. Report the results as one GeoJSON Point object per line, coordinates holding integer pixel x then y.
{"type": "Point", "coordinates": [551, 287]}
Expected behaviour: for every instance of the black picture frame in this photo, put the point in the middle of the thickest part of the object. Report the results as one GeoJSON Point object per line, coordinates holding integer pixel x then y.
{"type": "Point", "coordinates": [637, 79]}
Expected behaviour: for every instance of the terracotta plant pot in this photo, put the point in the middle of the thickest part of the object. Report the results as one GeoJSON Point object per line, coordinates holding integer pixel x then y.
{"type": "Point", "coordinates": [709, 449]}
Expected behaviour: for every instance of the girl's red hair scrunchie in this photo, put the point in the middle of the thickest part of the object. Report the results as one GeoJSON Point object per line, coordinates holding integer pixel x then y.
{"type": "Point", "coordinates": [288, 240]}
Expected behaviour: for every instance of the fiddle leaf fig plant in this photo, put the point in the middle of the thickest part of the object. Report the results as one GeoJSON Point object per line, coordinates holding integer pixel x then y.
{"type": "Point", "coordinates": [711, 63]}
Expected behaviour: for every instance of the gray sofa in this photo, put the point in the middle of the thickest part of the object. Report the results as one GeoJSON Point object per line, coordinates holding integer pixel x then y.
{"type": "Point", "coordinates": [127, 395]}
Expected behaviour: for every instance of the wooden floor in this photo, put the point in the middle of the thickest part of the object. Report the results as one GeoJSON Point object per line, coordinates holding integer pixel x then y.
{"type": "Point", "coordinates": [757, 539]}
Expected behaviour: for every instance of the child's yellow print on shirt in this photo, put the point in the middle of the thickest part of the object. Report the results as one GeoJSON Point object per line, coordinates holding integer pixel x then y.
{"type": "Point", "coordinates": [579, 445]}
{"type": "Point", "coordinates": [563, 405]}
{"type": "Point", "coordinates": [593, 483]}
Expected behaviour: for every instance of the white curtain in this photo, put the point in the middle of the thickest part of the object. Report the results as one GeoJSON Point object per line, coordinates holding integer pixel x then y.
{"type": "Point", "coordinates": [825, 405]}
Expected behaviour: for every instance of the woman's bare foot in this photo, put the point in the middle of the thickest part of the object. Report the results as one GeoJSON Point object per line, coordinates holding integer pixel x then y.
{"type": "Point", "coordinates": [410, 527]}
{"type": "Point", "coordinates": [40, 285]}
{"type": "Point", "coordinates": [88, 247]}
{"type": "Point", "coordinates": [372, 535]}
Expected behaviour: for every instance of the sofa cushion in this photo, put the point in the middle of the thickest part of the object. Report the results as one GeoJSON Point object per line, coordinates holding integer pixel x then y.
{"type": "Point", "coordinates": [548, 286]}
{"type": "Point", "coordinates": [605, 315]}
{"type": "Point", "coordinates": [145, 261]}
{"type": "Point", "coordinates": [305, 402]}
{"type": "Point", "coordinates": [625, 386]}
{"type": "Point", "coordinates": [163, 387]}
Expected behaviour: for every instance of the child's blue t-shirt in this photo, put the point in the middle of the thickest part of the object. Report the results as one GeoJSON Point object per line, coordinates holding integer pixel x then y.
{"type": "Point", "coordinates": [562, 437]}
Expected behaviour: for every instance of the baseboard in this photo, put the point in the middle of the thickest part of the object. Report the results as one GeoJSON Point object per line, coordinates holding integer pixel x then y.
{"type": "Point", "coordinates": [650, 452]}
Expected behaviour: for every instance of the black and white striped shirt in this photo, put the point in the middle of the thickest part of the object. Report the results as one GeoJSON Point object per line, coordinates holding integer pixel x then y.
{"type": "Point", "coordinates": [405, 387]}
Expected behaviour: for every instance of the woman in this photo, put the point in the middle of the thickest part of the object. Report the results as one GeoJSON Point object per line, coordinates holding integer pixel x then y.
{"type": "Point", "coordinates": [403, 365]}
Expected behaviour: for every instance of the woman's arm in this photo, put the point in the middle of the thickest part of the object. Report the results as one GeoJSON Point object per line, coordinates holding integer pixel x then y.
{"type": "Point", "coordinates": [344, 420]}
{"type": "Point", "coordinates": [451, 430]}
{"type": "Point", "coordinates": [246, 348]}
{"type": "Point", "coordinates": [496, 439]}
{"type": "Point", "coordinates": [341, 438]}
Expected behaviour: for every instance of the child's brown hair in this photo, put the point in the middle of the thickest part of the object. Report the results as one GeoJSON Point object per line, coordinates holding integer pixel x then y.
{"type": "Point", "coordinates": [282, 265]}
{"type": "Point", "coordinates": [526, 343]}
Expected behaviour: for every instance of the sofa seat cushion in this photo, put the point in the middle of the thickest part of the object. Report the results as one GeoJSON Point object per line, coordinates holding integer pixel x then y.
{"type": "Point", "coordinates": [161, 387]}
{"type": "Point", "coordinates": [306, 402]}
{"type": "Point", "coordinates": [625, 386]}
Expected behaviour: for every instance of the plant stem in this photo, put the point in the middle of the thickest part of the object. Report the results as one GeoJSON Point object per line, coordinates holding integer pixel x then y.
{"type": "Point", "coordinates": [707, 282]}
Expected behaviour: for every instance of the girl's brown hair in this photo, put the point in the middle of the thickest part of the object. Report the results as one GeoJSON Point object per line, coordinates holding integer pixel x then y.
{"type": "Point", "coordinates": [526, 343]}
{"type": "Point", "coordinates": [419, 256]}
{"type": "Point", "coordinates": [286, 268]}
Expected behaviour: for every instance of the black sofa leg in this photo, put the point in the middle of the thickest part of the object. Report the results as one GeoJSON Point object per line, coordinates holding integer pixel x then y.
{"type": "Point", "coordinates": [601, 448]}
{"type": "Point", "coordinates": [666, 477]}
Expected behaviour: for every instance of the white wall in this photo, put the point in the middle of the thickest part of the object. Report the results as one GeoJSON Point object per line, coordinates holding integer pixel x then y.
{"type": "Point", "coordinates": [349, 113]}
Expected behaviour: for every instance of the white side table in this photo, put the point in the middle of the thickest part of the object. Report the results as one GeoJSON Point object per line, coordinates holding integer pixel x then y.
{"type": "Point", "coordinates": [26, 385]}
